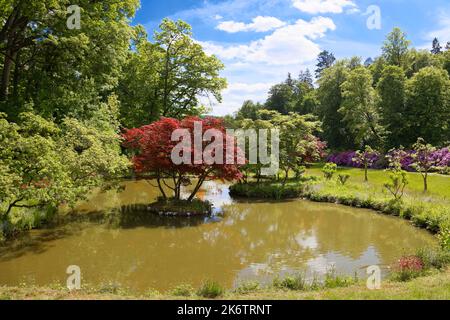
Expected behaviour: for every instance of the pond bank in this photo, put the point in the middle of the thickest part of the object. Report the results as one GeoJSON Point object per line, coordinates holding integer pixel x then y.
{"type": "Point", "coordinates": [432, 287]}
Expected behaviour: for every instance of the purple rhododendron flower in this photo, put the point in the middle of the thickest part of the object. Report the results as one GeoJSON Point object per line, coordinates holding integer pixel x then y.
{"type": "Point", "coordinates": [345, 159]}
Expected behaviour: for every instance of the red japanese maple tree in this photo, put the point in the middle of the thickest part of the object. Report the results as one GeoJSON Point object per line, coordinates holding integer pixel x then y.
{"type": "Point", "coordinates": [153, 147]}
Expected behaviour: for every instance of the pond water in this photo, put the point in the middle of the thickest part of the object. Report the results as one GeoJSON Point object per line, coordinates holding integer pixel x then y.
{"type": "Point", "coordinates": [244, 241]}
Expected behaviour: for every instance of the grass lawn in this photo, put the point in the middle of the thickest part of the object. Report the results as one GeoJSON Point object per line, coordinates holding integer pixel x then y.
{"type": "Point", "coordinates": [438, 185]}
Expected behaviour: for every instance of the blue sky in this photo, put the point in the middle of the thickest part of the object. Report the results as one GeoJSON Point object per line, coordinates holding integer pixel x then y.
{"type": "Point", "coordinates": [260, 41]}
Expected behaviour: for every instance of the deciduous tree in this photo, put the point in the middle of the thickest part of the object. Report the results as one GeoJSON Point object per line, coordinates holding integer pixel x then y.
{"type": "Point", "coordinates": [153, 145]}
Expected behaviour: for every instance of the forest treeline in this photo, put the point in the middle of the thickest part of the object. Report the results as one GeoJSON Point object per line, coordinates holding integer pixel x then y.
{"type": "Point", "coordinates": [386, 102]}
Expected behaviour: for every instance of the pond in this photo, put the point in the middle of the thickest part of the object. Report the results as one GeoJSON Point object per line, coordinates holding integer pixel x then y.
{"type": "Point", "coordinates": [245, 240]}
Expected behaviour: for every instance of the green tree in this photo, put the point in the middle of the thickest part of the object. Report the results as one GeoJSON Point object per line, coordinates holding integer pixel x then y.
{"type": "Point", "coordinates": [329, 95]}
{"type": "Point", "coordinates": [253, 168]}
{"type": "Point", "coordinates": [281, 98]}
{"type": "Point", "coordinates": [82, 67]}
{"type": "Point", "coordinates": [306, 77]}
{"type": "Point", "coordinates": [359, 107]}
{"type": "Point", "coordinates": [366, 159]}
{"type": "Point", "coordinates": [436, 47]}
{"type": "Point", "coordinates": [45, 166]}
{"type": "Point", "coordinates": [423, 160]}
{"type": "Point", "coordinates": [297, 140]}
{"type": "Point", "coordinates": [428, 106]}
{"type": "Point", "coordinates": [395, 47]}
{"type": "Point", "coordinates": [416, 60]}
{"type": "Point", "coordinates": [249, 110]}
{"type": "Point", "coordinates": [329, 170]}
{"type": "Point", "coordinates": [304, 95]}
{"type": "Point", "coordinates": [446, 61]}
{"type": "Point", "coordinates": [324, 61]}
{"type": "Point", "coordinates": [139, 87]}
{"type": "Point", "coordinates": [187, 72]}
{"type": "Point", "coordinates": [377, 68]}
{"type": "Point", "coordinates": [391, 89]}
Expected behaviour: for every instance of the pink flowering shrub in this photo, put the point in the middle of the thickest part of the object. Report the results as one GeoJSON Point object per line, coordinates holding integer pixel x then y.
{"type": "Point", "coordinates": [408, 268]}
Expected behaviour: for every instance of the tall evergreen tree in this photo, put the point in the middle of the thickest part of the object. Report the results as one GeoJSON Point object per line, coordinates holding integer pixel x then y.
{"type": "Point", "coordinates": [289, 81]}
{"type": "Point", "coordinates": [369, 61]}
{"type": "Point", "coordinates": [325, 60]}
{"type": "Point", "coordinates": [436, 47]}
{"type": "Point", "coordinates": [306, 77]}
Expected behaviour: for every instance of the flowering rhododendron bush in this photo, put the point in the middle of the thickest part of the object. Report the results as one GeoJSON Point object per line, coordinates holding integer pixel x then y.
{"type": "Point", "coordinates": [153, 146]}
{"type": "Point", "coordinates": [408, 268]}
{"type": "Point", "coordinates": [346, 159]}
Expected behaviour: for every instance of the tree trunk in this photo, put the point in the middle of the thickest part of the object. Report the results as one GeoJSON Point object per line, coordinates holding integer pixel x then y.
{"type": "Point", "coordinates": [161, 188]}
{"type": "Point", "coordinates": [6, 74]}
{"type": "Point", "coordinates": [366, 177]}
{"type": "Point", "coordinates": [197, 188]}
{"type": "Point", "coordinates": [425, 182]}
{"type": "Point", "coordinates": [15, 93]}
{"type": "Point", "coordinates": [286, 176]}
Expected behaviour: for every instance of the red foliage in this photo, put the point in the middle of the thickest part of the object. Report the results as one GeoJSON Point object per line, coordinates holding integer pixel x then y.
{"type": "Point", "coordinates": [411, 263]}
{"type": "Point", "coordinates": [153, 145]}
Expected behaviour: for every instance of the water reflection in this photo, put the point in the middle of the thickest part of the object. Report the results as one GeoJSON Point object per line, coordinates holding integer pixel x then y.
{"type": "Point", "coordinates": [244, 240]}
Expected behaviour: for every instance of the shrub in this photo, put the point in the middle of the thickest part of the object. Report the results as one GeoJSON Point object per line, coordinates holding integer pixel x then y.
{"type": "Point", "coordinates": [343, 178]}
{"type": "Point", "coordinates": [332, 280]}
{"type": "Point", "coordinates": [248, 287]}
{"type": "Point", "coordinates": [183, 290]}
{"type": "Point", "coordinates": [113, 288]}
{"type": "Point", "coordinates": [329, 170]}
{"type": "Point", "coordinates": [210, 289]}
{"type": "Point", "coordinates": [299, 171]}
{"type": "Point", "coordinates": [152, 293]}
{"type": "Point", "coordinates": [181, 207]}
{"type": "Point", "coordinates": [345, 159]}
{"type": "Point", "coordinates": [267, 190]}
{"type": "Point", "coordinates": [295, 282]}
{"type": "Point", "coordinates": [408, 268]}
{"type": "Point", "coordinates": [444, 238]}
{"type": "Point", "coordinates": [431, 258]}
{"type": "Point", "coordinates": [397, 183]}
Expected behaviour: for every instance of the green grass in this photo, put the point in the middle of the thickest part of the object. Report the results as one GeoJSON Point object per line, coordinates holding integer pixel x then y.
{"type": "Point", "coordinates": [439, 185]}
{"type": "Point", "coordinates": [434, 286]}
{"type": "Point", "coordinates": [210, 290]}
{"type": "Point", "coordinates": [183, 290]}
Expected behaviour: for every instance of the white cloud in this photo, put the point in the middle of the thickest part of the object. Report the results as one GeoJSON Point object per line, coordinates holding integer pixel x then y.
{"type": "Point", "coordinates": [248, 88]}
{"type": "Point", "coordinates": [259, 24]}
{"type": "Point", "coordinates": [238, 92]}
{"type": "Point", "coordinates": [218, 17]}
{"type": "Point", "coordinates": [443, 31]}
{"type": "Point", "coordinates": [290, 48]}
{"type": "Point", "coordinates": [291, 44]}
{"type": "Point", "coordinates": [323, 6]}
